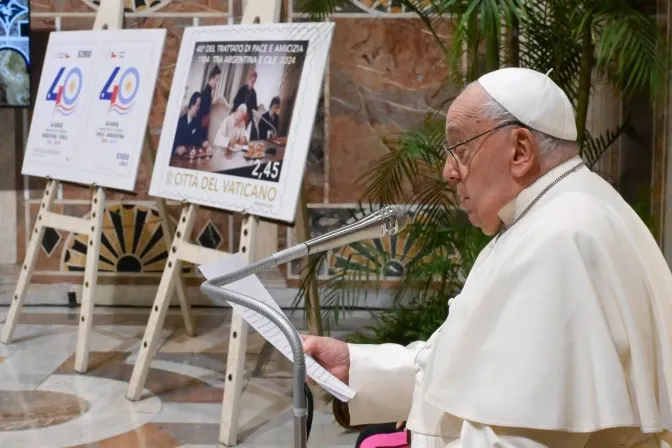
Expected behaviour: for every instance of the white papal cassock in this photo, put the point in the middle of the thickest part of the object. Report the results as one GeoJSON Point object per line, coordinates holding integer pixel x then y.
{"type": "Point", "coordinates": [560, 338]}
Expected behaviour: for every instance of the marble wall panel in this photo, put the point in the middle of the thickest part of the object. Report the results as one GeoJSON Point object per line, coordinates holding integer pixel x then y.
{"type": "Point", "coordinates": [42, 24]}
{"type": "Point", "coordinates": [56, 6]}
{"type": "Point", "coordinates": [315, 177]}
{"type": "Point", "coordinates": [385, 76]}
{"type": "Point", "coordinates": [135, 5]}
{"type": "Point", "coordinates": [236, 10]}
{"type": "Point", "coordinates": [383, 8]}
{"type": "Point", "coordinates": [199, 6]}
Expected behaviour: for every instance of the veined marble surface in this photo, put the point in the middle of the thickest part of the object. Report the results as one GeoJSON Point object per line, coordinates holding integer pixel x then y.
{"type": "Point", "coordinates": [45, 403]}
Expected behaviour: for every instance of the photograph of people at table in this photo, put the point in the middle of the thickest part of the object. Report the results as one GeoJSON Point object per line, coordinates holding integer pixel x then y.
{"type": "Point", "coordinates": [237, 108]}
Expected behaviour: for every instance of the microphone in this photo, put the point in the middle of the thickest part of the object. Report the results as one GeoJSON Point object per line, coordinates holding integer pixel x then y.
{"type": "Point", "coordinates": [386, 222]}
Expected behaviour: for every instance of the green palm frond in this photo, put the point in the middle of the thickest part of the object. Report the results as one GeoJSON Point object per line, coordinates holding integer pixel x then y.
{"type": "Point", "coordinates": [320, 9]}
{"type": "Point", "coordinates": [444, 254]}
{"type": "Point", "coordinates": [437, 199]}
{"type": "Point", "coordinates": [595, 147]}
{"type": "Point", "coordinates": [630, 48]}
{"type": "Point", "coordinates": [309, 273]}
{"type": "Point", "coordinates": [548, 43]}
{"type": "Point", "coordinates": [417, 160]}
{"type": "Point", "coordinates": [388, 178]}
{"type": "Point", "coordinates": [411, 157]}
{"type": "Point", "coordinates": [349, 283]}
{"type": "Point", "coordinates": [480, 20]}
{"type": "Point", "coordinates": [340, 292]}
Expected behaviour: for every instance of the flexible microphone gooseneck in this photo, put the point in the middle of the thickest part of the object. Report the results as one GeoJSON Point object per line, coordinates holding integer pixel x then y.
{"type": "Point", "coordinates": [385, 222]}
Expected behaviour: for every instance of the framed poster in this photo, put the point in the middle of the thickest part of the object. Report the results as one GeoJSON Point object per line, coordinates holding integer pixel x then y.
{"type": "Point", "coordinates": [240, 116]}
{"type": "Point", "coordinates": [92, 106]}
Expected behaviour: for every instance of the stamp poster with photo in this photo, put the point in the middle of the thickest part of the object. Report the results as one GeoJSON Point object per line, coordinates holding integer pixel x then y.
{"type": "Point", "coordinates": [240, 116]}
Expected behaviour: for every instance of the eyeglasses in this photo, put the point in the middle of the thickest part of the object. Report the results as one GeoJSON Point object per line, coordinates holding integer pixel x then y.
{"type": "Point", "coordinates": [450, 149]}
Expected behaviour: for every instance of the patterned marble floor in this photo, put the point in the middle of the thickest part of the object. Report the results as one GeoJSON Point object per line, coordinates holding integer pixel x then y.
{"type": "Point", "coordinates": [45, 403]}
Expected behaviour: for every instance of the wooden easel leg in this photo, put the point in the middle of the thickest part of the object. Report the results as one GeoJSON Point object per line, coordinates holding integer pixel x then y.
{"type": "Point", "coordinates": [158, 314]}
{"type": "Point", "coordinates": [235, 361]}
{"type": "Point", "coordinates": [168, 234]}
{"type": "Point", "coordinates": [90, 282]}
{"type": "Point", "coordinates": [32, 251]}
{"type": "Point", "coordinates": [185, 308]}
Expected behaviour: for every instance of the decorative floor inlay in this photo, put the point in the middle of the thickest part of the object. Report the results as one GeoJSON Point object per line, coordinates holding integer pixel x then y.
{"type": "Point", "coordinates": [38, 409]}
{"type": "Point", "coordinates": [45, 403]}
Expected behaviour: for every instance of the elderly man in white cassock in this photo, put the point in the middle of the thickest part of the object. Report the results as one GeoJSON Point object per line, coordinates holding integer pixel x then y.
{"type": "Point", "coordinates": [561, 336]}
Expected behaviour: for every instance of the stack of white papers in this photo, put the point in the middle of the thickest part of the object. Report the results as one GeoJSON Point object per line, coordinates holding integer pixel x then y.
{"type": "Point", "coordinates": [252, 287]}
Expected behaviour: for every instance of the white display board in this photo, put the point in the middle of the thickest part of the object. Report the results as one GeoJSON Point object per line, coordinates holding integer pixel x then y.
{"type": "Point", "coordinates": [250, 158]}
{"type": "Point", "coordinates": [92, 106]}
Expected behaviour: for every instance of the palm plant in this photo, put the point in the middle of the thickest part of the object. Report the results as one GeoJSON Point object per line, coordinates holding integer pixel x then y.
{"type": "Point", "coordinates": [580, 40]}
{"type": "Point", "coordinates": [444, 244]}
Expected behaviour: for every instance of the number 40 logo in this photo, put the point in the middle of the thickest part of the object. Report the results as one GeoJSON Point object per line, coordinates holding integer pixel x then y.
{"type": "Point", "coordinates": [64, 90]}
{"type": "Point", "coordinates": [121, 91]}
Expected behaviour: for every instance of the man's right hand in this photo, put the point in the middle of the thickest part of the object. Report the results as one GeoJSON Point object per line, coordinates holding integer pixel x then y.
{"type": "Point", "coordinates": [330, 353]}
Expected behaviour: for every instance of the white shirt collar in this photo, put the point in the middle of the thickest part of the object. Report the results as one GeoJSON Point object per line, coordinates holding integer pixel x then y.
{"type": "Point", "coordinates": [511, 211]}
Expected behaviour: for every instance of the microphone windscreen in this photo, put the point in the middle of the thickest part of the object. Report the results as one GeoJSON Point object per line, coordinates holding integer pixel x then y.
{"type": "Point", "coordinates": [399, 215]}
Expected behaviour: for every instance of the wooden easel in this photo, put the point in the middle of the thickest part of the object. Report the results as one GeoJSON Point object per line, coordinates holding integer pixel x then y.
{"type": "Point", "coordinates": [258, 239]}
{"type": "Point", "coordinates": [110, 16]}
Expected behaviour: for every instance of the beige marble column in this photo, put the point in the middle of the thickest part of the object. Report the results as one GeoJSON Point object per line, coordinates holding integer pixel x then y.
{"type": "Point", "coordinates": [8, 234]}
{"type": "Point", "coordinates": [664, 142]}
{"type": "Point", "coordinates": [662, 175]}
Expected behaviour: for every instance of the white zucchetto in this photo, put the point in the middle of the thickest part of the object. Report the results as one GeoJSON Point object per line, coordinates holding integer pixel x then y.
{"type": "Point", "coordinates": [534, 99]}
